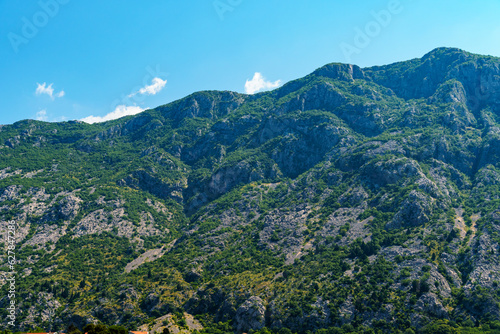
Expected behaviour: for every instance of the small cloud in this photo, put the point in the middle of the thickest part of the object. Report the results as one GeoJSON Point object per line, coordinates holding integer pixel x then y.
{"type": "Point", "coordinates": [259, 83]}
{"type": "Point", "coordinates": [156, 86]}
{"type": "Point", "coordinates": [48, 90]}
{"type": "Point", "coordinates": [120, 111]}
{"type": "Point", "coordinates": [43, 89]}
{"type": "Point", "coordinates": [42, 115]}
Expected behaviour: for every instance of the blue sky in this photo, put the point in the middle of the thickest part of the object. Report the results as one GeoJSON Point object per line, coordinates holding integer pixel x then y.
{"type": "Point", "coordinates": [73, 59]}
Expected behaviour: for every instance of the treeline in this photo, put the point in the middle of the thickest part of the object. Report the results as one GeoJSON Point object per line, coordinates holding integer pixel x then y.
{"type": "Point", "coordinates": [89, 328]}
{"type": "Point", "coordinates": [378, 327]}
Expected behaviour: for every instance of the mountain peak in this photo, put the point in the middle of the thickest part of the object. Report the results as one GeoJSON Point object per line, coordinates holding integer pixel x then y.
{"type": "Point", "coordinates": [440, 51]}
{"type": "Point", "coordinates": [340, 71]}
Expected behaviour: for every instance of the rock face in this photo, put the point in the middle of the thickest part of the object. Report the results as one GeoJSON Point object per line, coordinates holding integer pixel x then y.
{"type": "Point", "coordinates": [415, 210]}
{"type": "Point", "coordinates": [226, 178]}
{"type": "Point", "coordinates": [352, 196]}
{"type": "Point", "coordinates": [69, 207]}
{"type": "Point", "coordinates": [143, 180]}
{"type": "Point", "coordinates": [392, 171]}
{"type": "Point", "coordinates": [476, 75]}
{"type": "Point", "coordinates": [430, 304]}
{"type": "Point", "coordinates": [250, 315]}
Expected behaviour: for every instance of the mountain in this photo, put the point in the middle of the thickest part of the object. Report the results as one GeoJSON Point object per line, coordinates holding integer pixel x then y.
{"type": "Point", "coordinates": [349, 199]}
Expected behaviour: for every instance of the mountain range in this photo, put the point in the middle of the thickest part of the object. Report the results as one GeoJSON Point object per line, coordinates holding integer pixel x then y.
{"type": "Point", "coordinates": [352, 199]}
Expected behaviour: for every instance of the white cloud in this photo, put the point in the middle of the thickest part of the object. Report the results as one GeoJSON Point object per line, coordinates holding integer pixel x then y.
{"type": "Point", "coordinates": [120, 111]}
{"type": "Point", "coordinates": [156, 86]}
{"type": "Point", "coordinates": [259, 83]}
{"type": "Point", "coordinates": [41, 115]}
{"type": "Point", "coordinates": [44, 89]}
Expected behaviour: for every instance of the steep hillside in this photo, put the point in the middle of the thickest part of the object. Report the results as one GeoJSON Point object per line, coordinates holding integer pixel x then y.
{"type": "Point", "coordinates": [351, 197]}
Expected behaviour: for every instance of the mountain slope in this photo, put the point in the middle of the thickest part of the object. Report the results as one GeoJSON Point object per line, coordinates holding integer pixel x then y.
{"type": "Point", "coordinates": [350, 196]}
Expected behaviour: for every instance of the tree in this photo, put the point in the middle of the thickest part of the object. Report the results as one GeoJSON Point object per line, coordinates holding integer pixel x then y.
{"type": "Point", "coordinates": [101, 329]}
{"type": "Point", "coordinates": [284, 331]}
{"type": "Point", "coordinates": [439, 327]}
{"type": "Point", "coordinates": [72, 329]}
{"type": "Point", "coordinates": [117, 330]}
{"type": "Point", "coordinates": [96, 329]}
{"type": "Point", "coordinates": [89, 328]}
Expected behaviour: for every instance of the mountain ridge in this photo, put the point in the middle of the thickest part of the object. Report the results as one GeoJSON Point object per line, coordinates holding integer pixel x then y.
{"type": "Point", "coordinates": [362, 197]}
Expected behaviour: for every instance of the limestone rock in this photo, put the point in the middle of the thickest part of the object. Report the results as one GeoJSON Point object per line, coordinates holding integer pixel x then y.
{"type": "Point", "coordinates": [250, 315]}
